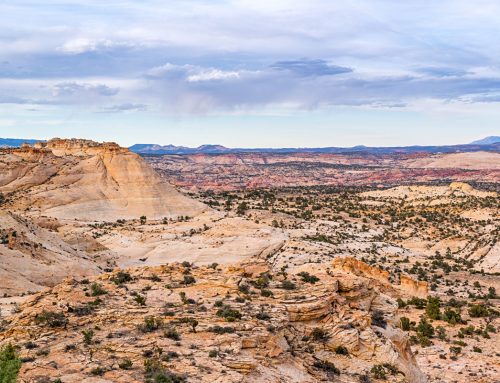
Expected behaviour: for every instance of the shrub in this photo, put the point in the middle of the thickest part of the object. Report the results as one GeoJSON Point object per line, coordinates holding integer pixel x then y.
{"type": "Point", "coordinates": [476, 349]}
{"type": "Point", "coordinates": [96, 289]}
{"type": "Point", "coordinates": [306, 277]}
{"type": "Point", "coordinates": [341, 350]}
{"type": "Point", "coordinates": [326, 366]}
{"type": "Point", "coordinates": [266, 293]}
{"type": "Point", "coordinates": [378, 372]}
{"type": "Point", "coordinates": [171, 333]}
{"type": "Point", "coordinates": [151, 324]}
{"type": "Point", "coordinates": [288, 285]}
{"type": "Point", "coordinates": [221, 330]}
{"type": "Point", "coordinates": [432, 308]}
{"type": "Point", "coordinates": [378, 319]}
{"type": "Point", "coordinates": [405, 323]}
{"type": "Point", "coordinates": [140, 300]}
{"type": "Point", "coordinates": [98, 371]}
{"type": "Point", "coordinates": [424, 328]}
{"type": "Point", "coordinates": [213, 353]}
{"type": "Point", "coordinates": [478, 311]}
{"type": "Point", "coordinates": [188, 280]}
{"type": "Point", "coordinates": [262, 316]}
{"type": "Point", "coordinates": [125, 364]}
{"type": "Point", "coordinates": [228, 313]}
{"type": "Point", "coordinates": [121, 277]}
{"type": "Point", "coordinates": [10, 364]}
{"type": "Point", "coordinates": [51, 318]}
{"type": "Point", "coordinates": [319, 334]}
{"type": "Point", "coordinates": [87, 336]}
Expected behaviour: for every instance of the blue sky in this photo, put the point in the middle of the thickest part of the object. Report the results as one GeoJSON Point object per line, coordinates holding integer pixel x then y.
{"type": "Point", "coordinates": [248, 73]}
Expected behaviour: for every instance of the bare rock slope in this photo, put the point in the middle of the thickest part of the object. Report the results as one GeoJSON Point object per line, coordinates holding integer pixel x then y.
{"type": "Point", "coordinates": [80, 179]}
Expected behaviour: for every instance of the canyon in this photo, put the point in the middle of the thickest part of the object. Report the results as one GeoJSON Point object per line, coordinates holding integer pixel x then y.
{"type": "Point", "coordinates": [239, 267]}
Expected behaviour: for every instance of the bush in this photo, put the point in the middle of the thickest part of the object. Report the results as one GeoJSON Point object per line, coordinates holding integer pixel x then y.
{"type": "Point", "coordinates": [378, 372]}
{"type": "Point", "coordinates": [266, 293]}
{"type": "Point", "coordinates": [478, 311]}
{"type": "Point", "coordinates": [432, 308]}
{"type": "Point", "coordinates": [125, 364]}
{"type": "Point", "coordinates": [319, 334]}
{"type": "Point", "coordinates": [121, 277]}
{"type": "Point", "coordinates": [228, 313]}
{"type": "Point", "coordinates": [221, 330]}
{"type": "Point", "coordinates": [140, 300]}
{"type": "Point", "coordinates": [405, 323]}
{"type": "Point", "coordinates": [10, 364]}
{"type": "Point", "coordinates": [424, 328]}
{"type": "Point", "coordinates": [378, 319]}
{"type": "Point", "coordinates": [87, 336]}
{"type": "Point", "coordinates": [96, 289]}
{"type": "Point", "coordinates": [171, 333]}
{"type": "Point", "coordinates": [341, 350]}
{"type": "Point", "coordinates": [188, 280]}
{"type": "Point", "coordinates": [51, 318]}
{"type": "Point", "coordinates": [326, 366]}
{"type": "Point", "coordinates": [288, 285]}
{"type": "Point", "coordinates": [151, 324]}
{"type": "Point", "coordinates": [306, 277]}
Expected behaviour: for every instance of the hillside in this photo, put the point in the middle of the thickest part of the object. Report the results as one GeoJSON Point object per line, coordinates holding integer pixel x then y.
{"type": "Point", "coordinates": [78, 179]}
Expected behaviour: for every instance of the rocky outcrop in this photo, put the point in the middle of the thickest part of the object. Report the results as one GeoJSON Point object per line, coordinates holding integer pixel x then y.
{"type": "Point", "coordinates": [413, 287]}
{"type": "Point", "coordinates": [357, 267]}
{"type": "Point", "coordinates": [208, 330]}
{"type": "Point", "coordinates": [81, 179]}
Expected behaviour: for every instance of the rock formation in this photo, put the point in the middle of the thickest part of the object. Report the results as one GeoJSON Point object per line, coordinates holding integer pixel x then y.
{"type": "Point", "coordinates": [80, 179]}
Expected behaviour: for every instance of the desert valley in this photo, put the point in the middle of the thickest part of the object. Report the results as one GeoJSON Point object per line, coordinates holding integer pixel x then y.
{"type": "Point", "coordinates": [248, 267]}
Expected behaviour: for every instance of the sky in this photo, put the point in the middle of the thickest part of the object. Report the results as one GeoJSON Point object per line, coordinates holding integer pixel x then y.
{"type": "Point", "coordinates": [251, 73]}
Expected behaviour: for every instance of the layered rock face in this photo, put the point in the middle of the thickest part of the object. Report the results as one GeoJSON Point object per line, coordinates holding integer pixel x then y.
{"type": "Point", "coordinates": [210, 325]}
{"type": "Point", "coordinates": [33, 257]}
{"type": "Point", "coordinates": [80, 179]}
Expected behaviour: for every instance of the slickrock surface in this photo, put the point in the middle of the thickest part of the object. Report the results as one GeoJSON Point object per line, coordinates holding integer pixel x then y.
{"type": "Point", "coordinates": [32, 257]}
{"type": "Point", "coordinates": [80, 179]}
{"type": "Point", "coordinates": [210, 324]}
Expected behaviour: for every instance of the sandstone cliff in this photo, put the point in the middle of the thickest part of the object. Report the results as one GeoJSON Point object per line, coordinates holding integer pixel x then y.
{"type": "Point", "coordinates": [80, 179]}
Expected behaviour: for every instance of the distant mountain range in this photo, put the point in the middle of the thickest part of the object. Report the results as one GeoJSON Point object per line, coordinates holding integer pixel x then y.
{"type": "Point", "coordinates": [487, 141]}
{"type": "Point", "coordinates": [491, 143]}
{"type": "Point", "coordinates": [15, 142]}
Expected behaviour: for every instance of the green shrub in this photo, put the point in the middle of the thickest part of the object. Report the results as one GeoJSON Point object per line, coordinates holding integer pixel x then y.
{"type": "Point", "coordinates": [432, 308]}
{"type": "Point", "coordinates": [341, 350]}
{"type": "Point", "coordinates": [424, 328]}
{"type": "Point", "coordinates": [121, 277]}
{"type": "Point", "coordinates": [51, 318]}
{"type": "Point", "coordinates": [228, 313]}
{"type": "Point", "coordinates": [478, 311]}
{"type": "Point", "coordinates": [378, 372]}
{"type": "Point", "coordinates": [125, 364]}
{"type": "Point", "coordinates": [326, 366]}
{"type": "Point", "coordinates": [319, 334]}
{"type": "Point", "coordinates": [306, 277]}
{"type": "Point", "coordinates": [378, 319]}
{"type": "Point", "coordinates": [10, 364]}
{"type": "Point", "coordinates": [151, 324]}
{"type": "Point", "coordinates": [87, 336]}
{"type": "Point", "coordinates": [288, 285]}
{"type": "Point", "coordinates": [405, 323]}
{"type": "Point", "coordinates": [96, 289]}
